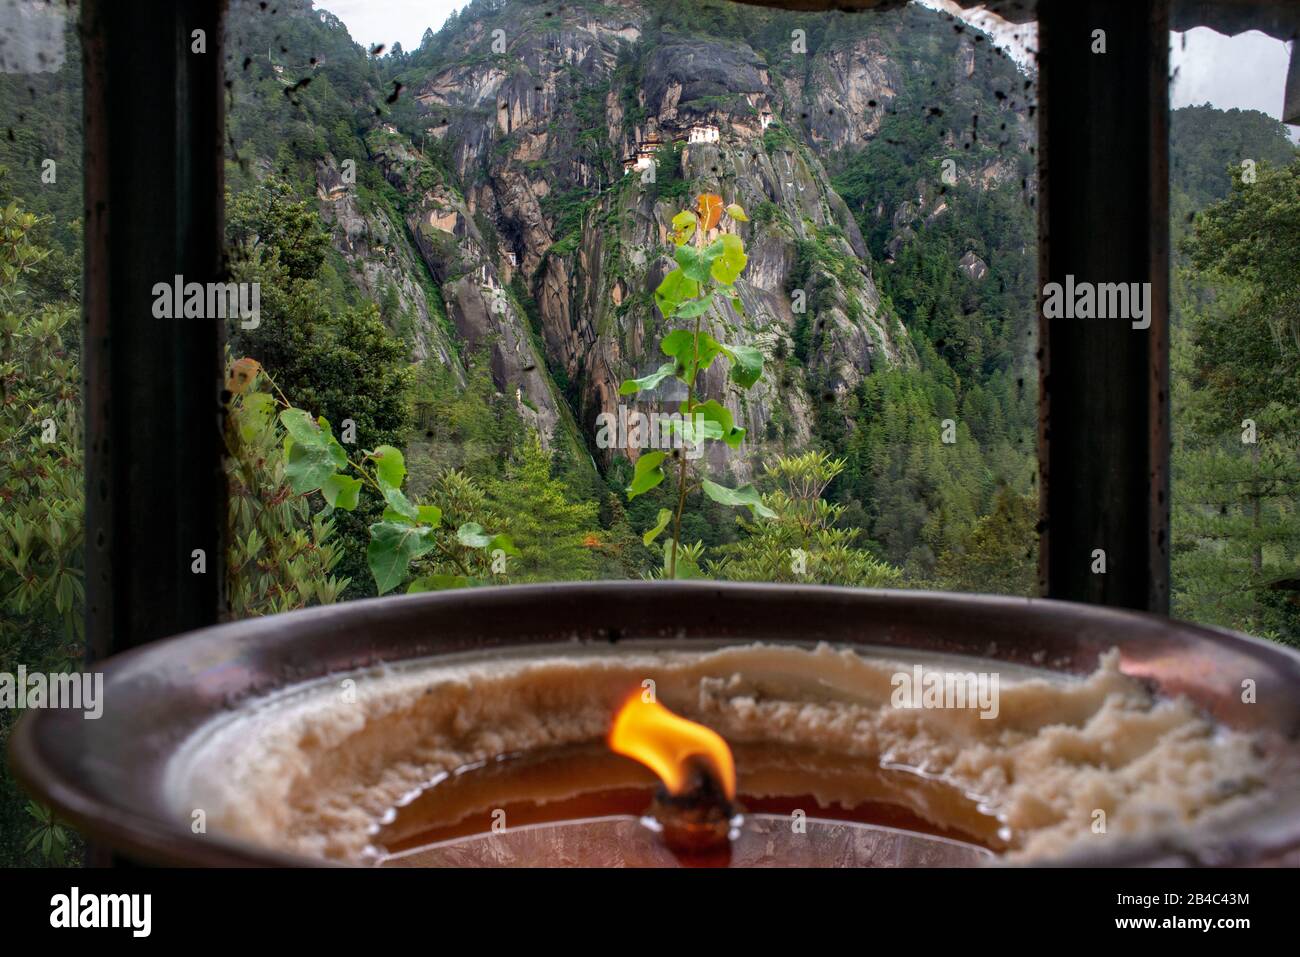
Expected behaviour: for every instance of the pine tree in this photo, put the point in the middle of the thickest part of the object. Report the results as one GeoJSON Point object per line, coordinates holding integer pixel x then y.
{"type": "Point", "coordinates": [557, 537]}
{"type": "Point", "coordinates": [804, 543]}
{"type": "Point", "coordinates": [1236, 362]}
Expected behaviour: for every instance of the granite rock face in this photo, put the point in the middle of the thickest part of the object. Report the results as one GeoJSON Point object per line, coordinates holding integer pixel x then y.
{"type": "Point", "coordinates": [512, 170]}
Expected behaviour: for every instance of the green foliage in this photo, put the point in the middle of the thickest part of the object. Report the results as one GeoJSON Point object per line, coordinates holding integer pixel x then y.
{"type": "Point", "coordinates": [318, 350]}
{"type": "Point", "coordinates": [48, 837]}
{"type": "Point", "coordinates": [997, 554]}
{"type": "Point", "coordinates": [669, 185]}
{"type": "Point", "coordinates": [271, 216]}
{"type": "Point", "coordinates": [42, 509]}
{"type": "Point", "coordinates": [1250, 243]}
{"type": "Point", "coordinates": [705, 270]}
{"type": "Point", "coordinates": [324, 354]}
{"type": "Point", "coordinates": [41, 458]}
{"type": "Point", "coordinates": [279, 556]}
{"type": "Point", "coordinates": [463, 554]}
{"type": "Point", "coordinates": [315, 461]}
{"type": "Point", "coordinates": [803, 542]}
{"type": "Point", "coordinates": [473, 428]}
{"type": "Point", "coordinates": [1206, 143]}
{"type": "Point", "coordinates": [556, 535]}
{"type": "Point", "coordinates": [1236, 376]}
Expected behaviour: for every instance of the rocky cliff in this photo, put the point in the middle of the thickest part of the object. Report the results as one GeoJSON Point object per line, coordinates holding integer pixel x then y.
{"type": "Point", "coordinates": [538, 153]}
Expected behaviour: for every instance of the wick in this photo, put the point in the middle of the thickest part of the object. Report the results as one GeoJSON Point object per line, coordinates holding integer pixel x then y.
{"type": "Point", "coordinates": [697, 822]}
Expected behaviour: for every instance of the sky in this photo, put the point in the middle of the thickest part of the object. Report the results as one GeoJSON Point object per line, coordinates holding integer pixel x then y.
{"type": "Point", "coordinates": [389, 21]}
{"type": "Point", "coordinates": [1247, 71]}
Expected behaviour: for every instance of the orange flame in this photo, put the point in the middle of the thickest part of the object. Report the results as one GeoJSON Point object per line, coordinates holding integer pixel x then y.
{"type": "Point", "coordinates": [648, 732]}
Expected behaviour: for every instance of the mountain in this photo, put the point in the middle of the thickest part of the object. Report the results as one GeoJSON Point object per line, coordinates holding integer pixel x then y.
{"type": "Point", "coordinates": [503, 151]}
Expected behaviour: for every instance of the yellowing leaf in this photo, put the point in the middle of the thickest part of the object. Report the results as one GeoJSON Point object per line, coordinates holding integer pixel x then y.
{"type": "Point", "coordinates": [710, 207]}
{"type": "Point", "coordinates": [730, 262]}
{"type": "Point", "coordinates": [683, 226]}
{"type": "Point", "coordinates": [736, 211]}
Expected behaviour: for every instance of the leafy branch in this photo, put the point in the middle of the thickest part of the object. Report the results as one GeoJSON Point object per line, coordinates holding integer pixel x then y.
{"type": "Point", "coordinates": [706, 273]}
{"type": "Point", "coordinates": [407, 531]}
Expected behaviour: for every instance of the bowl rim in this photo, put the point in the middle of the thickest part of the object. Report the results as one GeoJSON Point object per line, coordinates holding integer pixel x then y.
{"type": "Point", "coordinates": [48, 749]}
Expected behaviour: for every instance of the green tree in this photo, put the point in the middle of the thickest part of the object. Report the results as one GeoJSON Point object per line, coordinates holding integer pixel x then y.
{"type": "Point", "coordinates": [335, 359]}
{"type": "Point", "coordinates": [555, 535]}
{"type": "Point", "coordinates": [998, 553]}
{"type": "Point", "coordinates": [271, 216]}
{"type": "Point", "coordinates": [1236, 362]}
{"type": "Point", "coordinates": [804, 542]}
{"type": "Point", "coordinates": [339, 361]}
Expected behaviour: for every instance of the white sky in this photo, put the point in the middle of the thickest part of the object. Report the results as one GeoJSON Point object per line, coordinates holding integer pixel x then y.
{"type": "Point", "coordinates": [389, 21]}
{"type": "Point", "coordinates": [1247, 71]}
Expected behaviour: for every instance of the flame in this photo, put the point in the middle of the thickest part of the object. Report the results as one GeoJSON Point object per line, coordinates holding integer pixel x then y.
{"type": "Point", "coordinates": [648, 732]}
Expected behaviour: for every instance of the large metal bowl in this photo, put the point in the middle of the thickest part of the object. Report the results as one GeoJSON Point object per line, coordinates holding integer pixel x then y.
{"type": "Point", "coordinates": [106, 776]}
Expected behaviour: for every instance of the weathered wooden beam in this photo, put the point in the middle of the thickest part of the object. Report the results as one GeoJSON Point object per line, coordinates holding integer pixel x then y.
{"type": "Point", "coordinates": [155, 486]}
{"type": "Point", "coordinates": [1104, 385]}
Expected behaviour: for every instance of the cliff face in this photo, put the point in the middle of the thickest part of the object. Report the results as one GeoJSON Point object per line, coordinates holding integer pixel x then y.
{"type": "Point", "coordinates": [510, 162]}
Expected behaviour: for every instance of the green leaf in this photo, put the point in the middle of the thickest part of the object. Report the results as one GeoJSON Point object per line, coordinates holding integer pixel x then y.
{"type": "Point", "coordinates": [746, 364]}
{"type": "Point", "coordinates": [730, 261]}
{"type": "Point", "coordinates": [737, 212]}
{"type": "Point", "coordinates": [503, 542]}
{"type": "Point", "coordinates": [438, 583]}
{"type": "Point", "coordinates": [341, 491]}
{"type": "Point", "coordinates": [392, 549]}
{"type": "Point", "coordinates": [714, 411]}
{"type": "Point", "coordinates": [307, 466]}
{"type": "Point", "coordinates": [338, 455]}
{"type": "Point", "coordinates": [665, 516]}
{"type": "Point", "coordinates": [695, 429]}
{"type": "Point", "coordinates": [683, 346]}
{"type": "Point", "coordinates": [648, 381]}
{"type": "Point", "coordinates": [745, 495]}
{"type": "Point", "coordinates": [697, 263]}
{"type": "Point", "coordinates": [694, 307]}
{"type": "Point", "coordinates": [471, 535]}
{"type": "Point", "coordinates": [390, 466]}
{"type": "Point", "coordinates": [258, 409]}
{"type": "Point", "coordinates": [677, 344]}
{"type": "Point", "coordinates": [686, 566]}
{"type": "Point", "coordinates": [675, 289]}
{"type": "Point", "coordinates": [647, 473]}
{"type": "Point", "coordinates": [336, 451]}
{"type": "Point", "coordinates": [683, 227]}
{"type": "Point", "coordinates": [430, 515]}
{"type": "Point", "coordinates": [399, 503]}
{"type": "Point", "coordinates": [302, 428]}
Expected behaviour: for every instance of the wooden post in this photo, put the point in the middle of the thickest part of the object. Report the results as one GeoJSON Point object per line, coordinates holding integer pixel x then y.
{"type": "Point", "coordinates": [155, 485]}
{"type": "Point", "coordinates": [1104, 218]}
